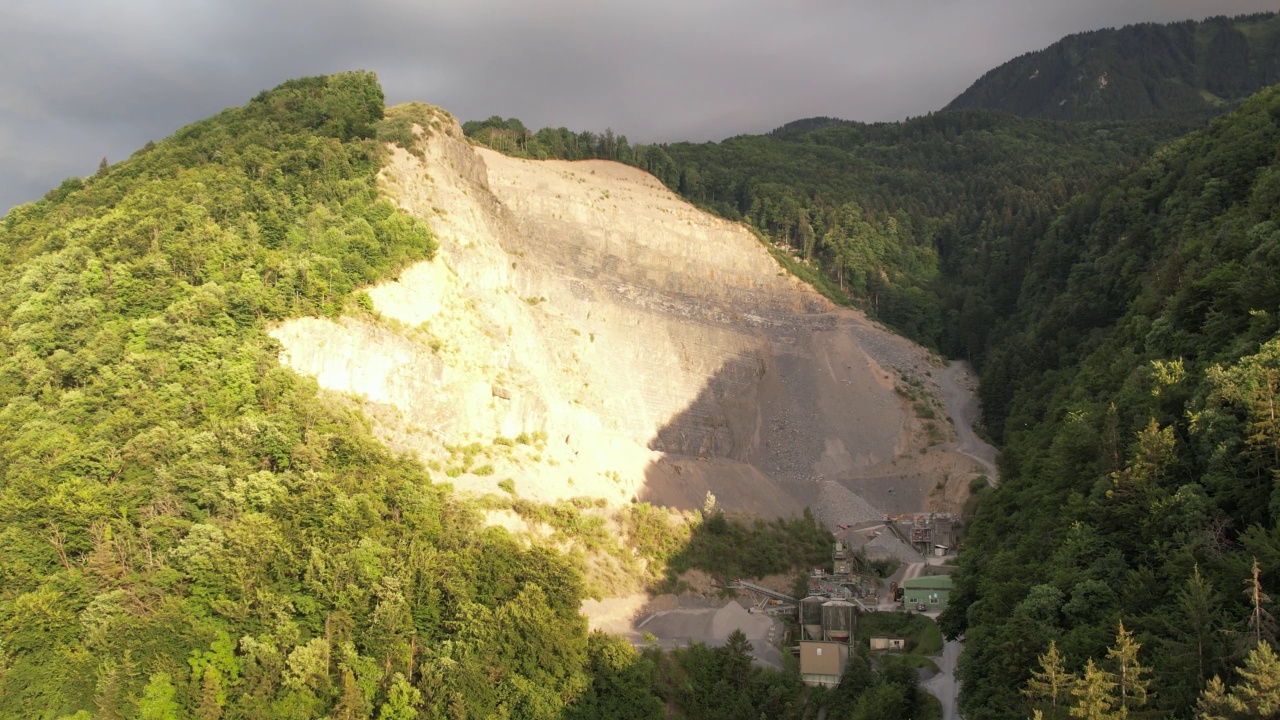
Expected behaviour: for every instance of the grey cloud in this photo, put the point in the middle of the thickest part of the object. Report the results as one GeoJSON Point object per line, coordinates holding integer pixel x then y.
{"type": "Point", "coordinates": [83, 79]}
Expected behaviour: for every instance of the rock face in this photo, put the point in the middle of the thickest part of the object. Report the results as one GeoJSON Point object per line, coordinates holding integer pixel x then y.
{"type": "Point", "coordinates": [651, 351]}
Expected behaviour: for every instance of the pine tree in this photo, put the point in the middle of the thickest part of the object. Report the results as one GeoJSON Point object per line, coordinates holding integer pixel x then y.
{"type": "Point", "coordinates": [1051, 681]}
{"type": "Point", "coordinates": [109, 692]}
{"type": "Point", "coordinates": [1129, 672]}
{"type": "Point", "coordinates": [1213, 703]}
{"type": "Point", "coordinates": [737, 659]}
{"type": "Point", "coordinates": [457, 709]}
{"type": "Point", "coordinates": [1193, 646]}
{"type": "Point", "coordinates": [1199, 612]}
{"type": "Point", "coordinates": [1257, 693]}
{"type": "Point", "coordinates": [212, 696]}
{"type": "Point", "coordinates": [351, 703]}
{"type": "Point", "coordinates": [1262, 626]}
{"type": "Point", "coordinates": [1094, 694]}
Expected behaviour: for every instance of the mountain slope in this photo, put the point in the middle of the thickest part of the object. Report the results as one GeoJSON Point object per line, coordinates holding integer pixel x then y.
{"type": "Point", "coordinates": [188, 528]}
{"type": "Point", "coordinates": [1139, 375]}
{"type": "Point", "coordinates": [659, 347]}
{"type": "Point", "coordinates": [192, 526]}
{"type": "Point", "coordinates": [1138, 71]}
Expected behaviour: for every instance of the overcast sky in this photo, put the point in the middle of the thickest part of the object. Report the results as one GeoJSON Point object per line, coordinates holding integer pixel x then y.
{"type": "Point", "coordinates": [82, 79]}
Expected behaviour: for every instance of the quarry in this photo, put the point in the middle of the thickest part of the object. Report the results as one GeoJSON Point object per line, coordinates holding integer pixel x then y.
{"type": "Point", "coordinates": [640, 349]}
{"type": "Point", "coordinates": [616, 343]}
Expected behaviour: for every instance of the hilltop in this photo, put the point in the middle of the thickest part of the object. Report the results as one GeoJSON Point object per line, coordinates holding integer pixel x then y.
{"type": "Point", "coordinates": [1138, 71]}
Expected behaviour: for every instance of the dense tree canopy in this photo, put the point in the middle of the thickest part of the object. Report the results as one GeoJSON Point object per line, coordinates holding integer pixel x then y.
{"type": "Point", "coordinates": [1134, 390]}
{"type": "Point", "coordinates": [186, 527]}
{"type": "Point", "coordinates": [1138, 71]}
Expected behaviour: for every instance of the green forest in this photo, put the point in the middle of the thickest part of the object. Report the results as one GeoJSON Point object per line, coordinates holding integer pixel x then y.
{"type": "Point", "coordinates": [190, 530]}
{"type": "Point", "coordinates": [1135, 394]}
{"type": "Point", "coordinates": [1139, 71]}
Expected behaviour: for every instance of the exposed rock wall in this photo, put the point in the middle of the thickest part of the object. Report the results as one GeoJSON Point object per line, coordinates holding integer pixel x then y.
{"type": "Point", "coordinates": [659, 351]}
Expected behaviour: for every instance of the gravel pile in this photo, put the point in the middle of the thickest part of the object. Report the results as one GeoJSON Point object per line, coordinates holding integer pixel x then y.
{"type": "Point", "coordinates": [711, 626]}
{"type": "Point", "coordinates": [735, 617]}
{"type": "Point", "coordinates": [676, 628]}
{"type": "Point", "coordinates": [888, 349]}
{"type": "Point", "coordinates": [838, 505]}
{"type": "Point", "coordinates": [886, 544]}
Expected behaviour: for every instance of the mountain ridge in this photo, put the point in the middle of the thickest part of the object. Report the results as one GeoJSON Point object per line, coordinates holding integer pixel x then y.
{"type": "Point", "coordinates": [1146, 70]}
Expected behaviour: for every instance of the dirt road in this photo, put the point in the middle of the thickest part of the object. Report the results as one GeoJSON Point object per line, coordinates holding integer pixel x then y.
{"type": "Point", "coordinates": [944, 685]}
{"type": "Point", "coordinates": [957, 385]}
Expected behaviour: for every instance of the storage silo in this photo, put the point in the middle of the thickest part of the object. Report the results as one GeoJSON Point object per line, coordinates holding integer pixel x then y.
{"type": "Point", "coordinates": [838, 618]}
{"type": "Point", "coordinates": [811, 616]}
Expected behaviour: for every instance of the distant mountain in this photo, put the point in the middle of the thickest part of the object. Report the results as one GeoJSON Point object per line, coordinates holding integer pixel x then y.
{"type": "Point", "coordinates": [1138, 71]}
{"type": "Point", "coordinates": [805, 125]}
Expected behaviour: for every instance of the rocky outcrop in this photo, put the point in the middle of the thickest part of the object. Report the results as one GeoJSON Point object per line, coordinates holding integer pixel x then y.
{"type": "Point", "coordinates": [645, 349]}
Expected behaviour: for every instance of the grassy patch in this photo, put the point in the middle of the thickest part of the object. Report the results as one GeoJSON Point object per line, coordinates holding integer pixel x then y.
{"type": "Point", "coordinates": [930, 706]}
{"type": "Point", "coordinates": [921, 634]}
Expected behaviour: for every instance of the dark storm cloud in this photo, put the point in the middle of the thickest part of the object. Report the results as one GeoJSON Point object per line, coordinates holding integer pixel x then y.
{"type": "Point", "coordinates": [80, 80]}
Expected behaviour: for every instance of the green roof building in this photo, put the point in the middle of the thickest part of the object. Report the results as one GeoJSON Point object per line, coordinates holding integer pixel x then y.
{"type": "Point", "coordinates": [926, 594]}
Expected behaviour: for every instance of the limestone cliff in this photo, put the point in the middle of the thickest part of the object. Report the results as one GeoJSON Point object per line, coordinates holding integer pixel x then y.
{"type": "Point", "coordinates": [644, 348]}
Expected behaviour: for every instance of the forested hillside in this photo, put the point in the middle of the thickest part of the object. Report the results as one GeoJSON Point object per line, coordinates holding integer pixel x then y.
{"type": "Point", "coordinates": [1138, 71]}
{"type": "Point", "coordinates": [188, 529]}
{"type": "Point", "coordinates": [185, 526]}
{"type": "Point", "coordinates": [1136, 393]}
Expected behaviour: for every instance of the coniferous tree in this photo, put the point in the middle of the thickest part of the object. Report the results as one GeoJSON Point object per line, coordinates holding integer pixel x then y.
{"type": "Point", "coordinates": [1256, 694]}
{"type": "Point", "coordinates": [212, 695]}
{"type": "Point", "coordinates": [1213, 703]}
{"type": "Point", "coordinates": [1262, 626]}
{"type": "Point", "coordinates": [1051, 683]}
{"type": "Point", "coordinates": [1130, 674]}
{"type": "Point", "coordinates": [1194, 638]}
{"type": "Point", "coordinates": [158, 701]}
{"type": "Point", "coordinates": [1094, 694]}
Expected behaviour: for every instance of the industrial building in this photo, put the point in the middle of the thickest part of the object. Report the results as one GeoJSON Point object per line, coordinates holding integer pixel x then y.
{"type": "Point", "coordinates": [826, 628]}
{"type": "Point", "coordinates": [822, 663]}
{"type": "Point", "coordinates": [926, 594]}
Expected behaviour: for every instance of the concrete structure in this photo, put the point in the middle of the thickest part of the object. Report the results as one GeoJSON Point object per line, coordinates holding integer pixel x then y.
{"type": "Point", "coordinates": [822, 663]}
{"type": "Point", "coordinates": [838, 620]}
{"type": "Point", "coordinates": [927, 593]}
{"type": "Point", "coordinates": [888, 643]}
{"type": "Point", "coordinates": [811, 617]}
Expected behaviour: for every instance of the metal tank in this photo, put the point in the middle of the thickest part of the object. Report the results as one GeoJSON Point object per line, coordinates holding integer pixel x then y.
{"type": "Point", "coordinates": [838, 618]}
{"type": "Point", "coordinates": [811, 616]}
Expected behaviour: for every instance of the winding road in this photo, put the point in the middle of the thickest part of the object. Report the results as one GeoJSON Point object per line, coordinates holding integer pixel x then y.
{"type": "Point", "coordinates": [962, 406]}
{"type": "Point", "coordinates": [956, 385]}
{"type": "Point", "coordinates": [944, 685]}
